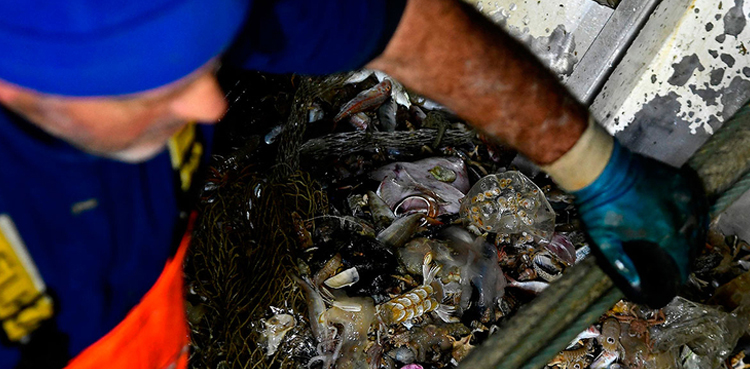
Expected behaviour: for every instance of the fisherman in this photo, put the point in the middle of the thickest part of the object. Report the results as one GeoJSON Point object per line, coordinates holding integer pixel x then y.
{"type": "Point", "coordinates": [98, 150]}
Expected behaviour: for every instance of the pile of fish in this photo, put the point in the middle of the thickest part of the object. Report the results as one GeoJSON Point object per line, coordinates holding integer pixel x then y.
{"type": "Point", "coordinates": [422, 255]}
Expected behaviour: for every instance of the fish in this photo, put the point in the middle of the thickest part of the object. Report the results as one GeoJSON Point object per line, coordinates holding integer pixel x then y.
{"type": "Point", "coordinates": [365, 100]}
{"type": "Point", "coordinates": [590, 332]}
{"type": "Point", "coordinates": [398, 92]}
{"type": "Point", "coordinates": [534, 287]}
{"type": "Point", "coordinates": [546, 266]}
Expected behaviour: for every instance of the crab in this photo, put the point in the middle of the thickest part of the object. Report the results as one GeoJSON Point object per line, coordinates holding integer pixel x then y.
{"type": "Point", "coordinates": [638, 326]}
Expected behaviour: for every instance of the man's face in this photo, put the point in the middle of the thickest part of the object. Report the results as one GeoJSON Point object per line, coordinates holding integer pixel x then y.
{"type": "Point", "coordinates": [129, 128]}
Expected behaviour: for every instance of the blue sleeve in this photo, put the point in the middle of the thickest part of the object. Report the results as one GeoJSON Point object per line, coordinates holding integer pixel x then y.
{"type": "Point", "coordinates": [314, 37]}
{"type": "Point", "coordinates": [9, 356]}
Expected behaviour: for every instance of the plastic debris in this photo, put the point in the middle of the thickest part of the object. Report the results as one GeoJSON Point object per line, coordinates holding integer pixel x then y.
{"type": "Point", "coordinates": [734, 293]}
{"type": "Point", "coordinates": [509, 203]}
{"type": "Point", "coordinates": [710, 333]}
{"type": "Point", "coordinates": [274, 330]}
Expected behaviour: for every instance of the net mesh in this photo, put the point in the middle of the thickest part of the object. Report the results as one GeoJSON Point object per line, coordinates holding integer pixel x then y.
{"type": "Point", "coordinates": [243, 251]}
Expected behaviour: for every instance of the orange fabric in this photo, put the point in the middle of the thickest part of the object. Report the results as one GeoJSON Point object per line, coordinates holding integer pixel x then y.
{"type": "Point", "coordinates": [154, 334]}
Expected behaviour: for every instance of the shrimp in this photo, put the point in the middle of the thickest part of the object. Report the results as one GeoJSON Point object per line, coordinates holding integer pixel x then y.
{"type": "Point", "coordinates": [418, 301]}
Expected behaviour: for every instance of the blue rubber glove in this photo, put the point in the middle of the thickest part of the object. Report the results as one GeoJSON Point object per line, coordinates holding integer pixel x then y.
{"type": "Point", "coordinates": [647, 220]}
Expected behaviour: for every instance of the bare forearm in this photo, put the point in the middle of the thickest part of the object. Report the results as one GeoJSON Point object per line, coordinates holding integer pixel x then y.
{"type": "Point", "coordinates": [447, 51]}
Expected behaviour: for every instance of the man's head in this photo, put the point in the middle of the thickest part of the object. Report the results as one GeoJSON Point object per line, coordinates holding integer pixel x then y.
{"type": "Point", "coordinates": [115, 79]}
{"type": "Point", "coordinates": [130, 128]}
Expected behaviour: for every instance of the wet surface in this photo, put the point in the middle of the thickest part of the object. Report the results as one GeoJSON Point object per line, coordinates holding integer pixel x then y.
{"type": "Point", "coordinates": [685, 69]}
{"type": "Point", "coordinates": [658, 131]}
{"type": "Point", "coordinates": [734, 19]}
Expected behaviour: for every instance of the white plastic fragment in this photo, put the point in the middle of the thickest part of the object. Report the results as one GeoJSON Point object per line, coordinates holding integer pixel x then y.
{"type": "Point", "coordinates": [275, 329]}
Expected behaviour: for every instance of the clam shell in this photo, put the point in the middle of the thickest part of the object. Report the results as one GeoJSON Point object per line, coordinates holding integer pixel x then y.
{"type": "Point", "coordinates": [344, 279]}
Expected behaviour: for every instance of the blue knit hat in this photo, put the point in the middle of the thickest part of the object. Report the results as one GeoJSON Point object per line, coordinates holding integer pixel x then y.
{"type": "Point", "coordinates": [111, 47]}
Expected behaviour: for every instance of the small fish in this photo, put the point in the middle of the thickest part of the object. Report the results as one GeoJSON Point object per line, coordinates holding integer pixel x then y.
{"type": "Point", "coordinates": [398, 92]}
{"type": "Point", "coordinates": [315, 113]}
{"type": "Point", "coordinates": [365, 100]}
{"type": "Point", "coordinates": [582, 253]}
{"type": "Point", "coordinates": [530, 286]}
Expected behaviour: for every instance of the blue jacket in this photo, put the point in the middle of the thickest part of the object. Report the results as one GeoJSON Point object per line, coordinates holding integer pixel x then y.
{"type": "Point", "coordinates": [98, 232]}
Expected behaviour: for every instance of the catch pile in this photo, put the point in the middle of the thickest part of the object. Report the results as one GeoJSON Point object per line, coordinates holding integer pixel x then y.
{"type": "Point", "coordinates": [422, 253]}
{"type": "Point", "coordinates": [426, 238]}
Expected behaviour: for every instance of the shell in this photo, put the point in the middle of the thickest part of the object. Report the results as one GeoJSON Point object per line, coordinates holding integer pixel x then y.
{"type": "Point", "coordinates": [344, 279]}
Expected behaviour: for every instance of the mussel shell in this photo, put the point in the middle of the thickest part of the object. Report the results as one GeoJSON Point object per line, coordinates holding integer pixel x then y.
{"type": "Point", "coordinates": [374, 262]}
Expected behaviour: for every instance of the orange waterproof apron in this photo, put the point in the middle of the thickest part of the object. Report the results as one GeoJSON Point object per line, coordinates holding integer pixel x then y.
{"type": "Point", "coordinates": [154, 334]}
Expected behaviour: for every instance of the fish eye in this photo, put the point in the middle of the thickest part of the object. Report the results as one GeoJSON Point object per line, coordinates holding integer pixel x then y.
{"type": "Point", "coordinates": [610, 340]}
{"type": "Point", "coordinates": [577, 366]}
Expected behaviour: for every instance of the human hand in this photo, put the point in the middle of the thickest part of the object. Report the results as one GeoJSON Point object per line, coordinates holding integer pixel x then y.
{"type": "Point", "coordinates": [646, 219]}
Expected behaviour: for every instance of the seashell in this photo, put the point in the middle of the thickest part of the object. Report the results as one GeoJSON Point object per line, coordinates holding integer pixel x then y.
{"type": "Point", "coordinates": [417, 204]}
{"type": "Point", "coordinates": [343, 279]}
